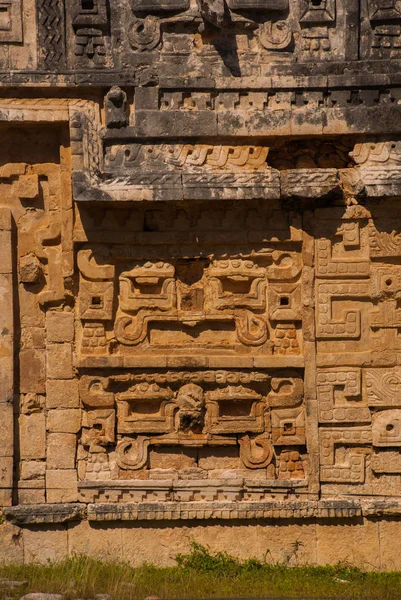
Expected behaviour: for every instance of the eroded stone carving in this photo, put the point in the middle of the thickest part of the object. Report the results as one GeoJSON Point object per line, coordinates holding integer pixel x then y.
{"type": "Point", "coordinates": [200, 255]}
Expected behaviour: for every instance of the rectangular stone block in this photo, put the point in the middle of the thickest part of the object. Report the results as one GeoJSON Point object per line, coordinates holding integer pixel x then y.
{"type": "Point", "coordinates": [6, 430]}
{"type": "Point", "coordinates": [64, 421]}
{"type": "Point", "coordinates": [33, 337]}
{"type": "Point", "coordinates": [354, 542]}
{"type": "Point", "coordinates": [61, 486]}
{"type": "Point", "coordinates": [62, 393]}
{"type": "Point", "coordinates": [6, 473]}
{"type": "Point", "coordinates": [61, 451]}
{"type": "Point", "coordinates": [40, 548]}
{"type": "Point", "coordinates": [32, 469]}
{"type": "Point", "coordinates": [59, 361]}
{"type": "Point", "coordinates": [32, 371]}
{"type": "Point", "coordinates": [32, 435]}
{"type": "Point", "coordinates": [59, 326]}
{"type": "Point", "coordinates": [32, 496]}
{"type": "Point", "coordinates": [6, 379]}
{"type": "Point", "coordinates": [5, 252]}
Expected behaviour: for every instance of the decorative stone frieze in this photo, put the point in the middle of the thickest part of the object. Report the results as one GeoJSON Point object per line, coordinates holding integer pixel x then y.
{"type": "Point", "coordinates": [200, 242]}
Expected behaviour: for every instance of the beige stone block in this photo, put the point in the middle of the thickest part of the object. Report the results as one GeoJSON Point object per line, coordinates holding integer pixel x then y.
{"type": "Point", "coordinates": [59, 361]}
{"type": "Point", "coordinates": [5, 218]}
{"type": "Point", "coordinates": [6, 305]}
{"type": "Point", "coordinates": [219, 458]}
{"type": "Point", "coordinates": [6, 497]}
{"type": "Point", "coordinates": [172, 458]}
{"type": "Point", "coordinates": [28, 186]}
{"type": "Point", "coordinates": [59, 326]}
{"type": "Point", "coordinates": [390, 531]}
{"type": "Point", "coordinates": [45, 543]}
{"type": "Point", "coordinates": [287, 541]}
{"type": "Point", "coordinates": [138, 535]}
{"type": "Point", "coordinates": [6, 430]}
{"type": "Point", "coordinates": [32, 371]}
{"type": "Point", "coordinates": [64, 421]}
{"type": "Point", "coordinates": [61, 450]}
{"type": "Point", "coordinates": [32, 496]}
{"type": "Point", "coordinates": [32, 435]}
{"type": "Point", "coordinates": [33, 469]}
{"type": "Point", "coordinates": [11, 547]}
{"type": "Point", "coordinates": [139, 540]}
{"type": "Point", "coordinates": [32, 337]}
{"type": "Point", "coordinates": [98, 540]}
{"type": "Point", "coordinates": [61, 485]}
{"type": "Point", "coordinates": [6, 473]}
{"type": "Point", "coordinates": [354, 541]}
{"type": "Point", "coordinates": [6, 379]}
{"type": "Point", "coordinates": [5, 253]}
{"type": "Point", "coordinates": [62, 393]}
{"type": "Point", "coordinates": [30, 313]}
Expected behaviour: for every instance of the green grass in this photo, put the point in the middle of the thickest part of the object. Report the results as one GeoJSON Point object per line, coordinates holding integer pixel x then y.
{"type": "Point", "coordinates": [201, 574]}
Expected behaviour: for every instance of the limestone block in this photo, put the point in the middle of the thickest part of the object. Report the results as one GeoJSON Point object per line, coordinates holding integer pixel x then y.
{"type": "Point", "coordinates": [5, 218]}
{"type": "Point", "coordinates": [353, 541]}
{"type": "Point", "coordinates": [59, 361]}
{"type": "Point", "coordinates": [6, 474]}
{"type": "Point", "coordinates": [64, 421]}
{"type": "Point", "coordinates": [41, 546]}
{"type": "Point", "coordinates": [62, 393]}
{"type": "Point", "coordinates": [32, 337]}
{"type": "Point", "coordinates": [61, 451]}
{"type": "Point", "coordinates": [32, 371]}
{"type": "Point", "coordinates": [219, 458]}
{"type": "Point", "coordinates": [389, 531]}
{"type": "Point", "coordinates": [96, 540]}
{"type": "Point", "coordinates": [61, 485]}
{"type": "Point", "coordinates": [7, 379]}
{"type": "Point", "coordinates": [5, 252]}
{"type": "Point", "coordinates": [161, 458]}
{"type": "Point", "coordinates": [7, 317]}
{"type": "Point", "coordinates": [30, 313]}
{"type": "Point", "coordinates": [11, 547]}
{"type": "Point", "coordinates": [6, 430]}
{"type": "Point", "coordinates": [32, 435]}
{"type": "Point", "coordinates": [33, 469]}
{"type": "Point", "coordinates": [32, 496]}
{"type": "Point", "coordinates": [29, 268]}
{"type": "Point", "coordinates": [59, 326]}
{"type": "Point", "coordinates": [28, 186]}
{"type": "Point", "coordinates": [6, 497]}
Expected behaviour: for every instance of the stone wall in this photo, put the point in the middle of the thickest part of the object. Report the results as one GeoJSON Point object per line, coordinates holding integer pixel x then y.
{"type": "Point", "coordinates": [200, 274]}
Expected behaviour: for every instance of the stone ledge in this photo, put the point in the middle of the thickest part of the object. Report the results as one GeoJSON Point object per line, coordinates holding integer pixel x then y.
{"type": "Point", "coordinates": [173, 511]}
{"type": "Point", "coordinates": [37, 514]}
{"type": "Point", "coordinates": [44, 513]}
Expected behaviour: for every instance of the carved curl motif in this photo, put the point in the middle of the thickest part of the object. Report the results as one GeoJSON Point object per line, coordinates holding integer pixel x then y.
{"type": "Point", "coordinates": [275, 36]}
{"type": "Point", "coordinates": [256, 453]}
{"type": "Point", "coordinates": [133, 454]}
{"type": "Point", "coordinates": [144, 34]}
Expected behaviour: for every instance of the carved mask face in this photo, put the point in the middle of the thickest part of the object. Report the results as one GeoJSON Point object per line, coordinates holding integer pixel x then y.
{"type": "Point", "coordinates": [190, 396]}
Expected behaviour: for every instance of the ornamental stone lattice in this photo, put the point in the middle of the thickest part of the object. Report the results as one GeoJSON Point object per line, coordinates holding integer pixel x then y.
{"type": "Point", "coordinates": [200, 278]}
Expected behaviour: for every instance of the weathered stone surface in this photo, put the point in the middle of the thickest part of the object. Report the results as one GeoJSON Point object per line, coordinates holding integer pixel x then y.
{"type": "Point", "coordinates": [62, 393]}
{"type": "Point", "coordinates": [199, 276]}
{"type": "Point", "coordinates": [61, 450]}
